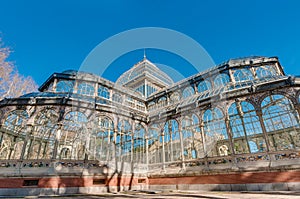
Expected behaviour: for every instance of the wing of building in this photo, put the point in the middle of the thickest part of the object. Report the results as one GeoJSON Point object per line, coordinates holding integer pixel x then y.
{"type": "Point", "coordinates": [227, 128]}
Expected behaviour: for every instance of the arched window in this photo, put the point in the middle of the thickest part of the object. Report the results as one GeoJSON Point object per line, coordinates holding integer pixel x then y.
{"type": "Point", "coordinates": [197, 151]}
{"type": "Point", "coordinates": [74, 134]}
{"type": "Point", "coordinates": [16, 121]}
{"type": "Point", "coordinates": [103, 92]}
{"type": "Point", "coordinates": [204, 86]}
{"type": "Point", "coordinates": [246, 129]}
{"type": "Point", "coordinates": [74, 121]}
{"type": "Point", "coordinates": [123, 141]}
{"type": "Point", "coordinates": [265, 71]}
{"type": "Point", "coordinates": [162, 102]}
{"type": "Point", "coordinates": [281, 121]}
{"type": "Point", "coordinates": [187, 134]}
{"type": "Point", "coordinates": [190, 134]}
{"type": "Point", "coordinates": [215, 132]}
{"type": "Point", "coordinates": [154, 145]}
{"type": "Point", "coordinates": [175, 97]}
{"type": "Point", "coordinates": [139, 144]}
{"type": "Point", "coordinates": [117, 98]}
{"type": "Point", "coordinates": [11, 144]}
{"type": "Point", "coordinates": [85, 89]}
{"type": "Point", "coordinates": [221, 80]}
{"type": "Point", "coordinates": [172, 141]}
{"type": "Point", "coordinates": [65, 86]}
{"type": "Point", "coordinates": [188, 91]}
{"type": "Point", "coordinates": [44, 123]}
{"type": "Point", "coordinates": [45, 129]}
{"type": "Point", "coordinates": [243, 75]}
{"type": "Point", "coordinates": [101, 140]}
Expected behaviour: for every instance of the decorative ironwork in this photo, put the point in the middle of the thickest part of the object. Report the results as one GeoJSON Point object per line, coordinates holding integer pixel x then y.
{"type": "Point", "coordinates": [228, 116]}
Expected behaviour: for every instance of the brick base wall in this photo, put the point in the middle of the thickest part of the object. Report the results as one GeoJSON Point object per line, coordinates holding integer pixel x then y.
{"type": "Point", "coordinates": [57, 182]}
{"type": "Point", "coordinates": [235, 178]}
{"type": "Point", "coordinates": [247, 181]}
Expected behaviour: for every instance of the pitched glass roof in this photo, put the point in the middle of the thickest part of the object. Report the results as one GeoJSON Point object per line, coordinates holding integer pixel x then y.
{"type": "Point", "coordinates": [144, 68]}
{"type": "Point", "coordinates": [231, 87]}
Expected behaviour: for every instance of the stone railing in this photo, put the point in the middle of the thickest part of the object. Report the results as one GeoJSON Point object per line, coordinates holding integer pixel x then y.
{"type": "Point", "coordinates": [47, 167]}
{"type": "Point", "coordinates": [288, 159]}
{"type": "Point", "coordinates": [254, 161]}
{"type": "Point", "coordinates": [25, 163]}
{"type": "Point", "coordinates": [287, 155]}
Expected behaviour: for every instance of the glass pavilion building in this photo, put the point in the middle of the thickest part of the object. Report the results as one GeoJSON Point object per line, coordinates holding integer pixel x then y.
{"type": "Point", "coordinates": [232, 127]}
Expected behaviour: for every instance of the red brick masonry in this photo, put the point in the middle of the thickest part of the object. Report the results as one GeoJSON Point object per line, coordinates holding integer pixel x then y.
{"type": "Point", "coordinates": [242, 178]}
{"type": "Point", "coordinates": [60, 182]}
{"type": "Point", "coordinates": [46, 182]}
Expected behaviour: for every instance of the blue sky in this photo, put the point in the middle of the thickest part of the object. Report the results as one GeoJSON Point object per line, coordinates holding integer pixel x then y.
{"type": "Point", "coordinates": [52, 36]}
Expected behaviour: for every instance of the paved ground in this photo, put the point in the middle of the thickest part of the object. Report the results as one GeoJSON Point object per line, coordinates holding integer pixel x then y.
{"type": "Point", "coordinates": [179, 195]}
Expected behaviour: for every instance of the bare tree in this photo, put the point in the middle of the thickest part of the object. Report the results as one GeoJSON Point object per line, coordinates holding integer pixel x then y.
{"type": "Point", "coordinates": [12, 84]}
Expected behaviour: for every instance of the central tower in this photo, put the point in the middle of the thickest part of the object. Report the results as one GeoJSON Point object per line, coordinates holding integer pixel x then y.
{"type": "Point", "coordinates": [144, 78]}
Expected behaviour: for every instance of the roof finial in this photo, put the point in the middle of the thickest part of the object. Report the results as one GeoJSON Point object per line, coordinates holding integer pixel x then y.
{"type": "Point", "coordinates": [145, 54]}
